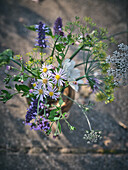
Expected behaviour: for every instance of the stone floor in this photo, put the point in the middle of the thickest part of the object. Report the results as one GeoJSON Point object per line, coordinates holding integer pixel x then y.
{"type": "Point", "coordinates": [21, 148]}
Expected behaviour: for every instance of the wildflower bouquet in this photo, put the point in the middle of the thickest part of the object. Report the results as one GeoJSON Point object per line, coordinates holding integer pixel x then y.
{"type": "Point", "coordinates": [50, 74]}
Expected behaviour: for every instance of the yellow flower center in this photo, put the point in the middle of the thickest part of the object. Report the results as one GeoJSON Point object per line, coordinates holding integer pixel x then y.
{"type": "Point", "coordinates": [51, 93]}
{"type": "Point", "coordinates": [57, 77]}
{"type": "Point", "coordinates": [45, 70]}
{"type": "Point", "coordinates": [34, 84]}
{"type": "Point", "coordinates": [45, 81]}
{"type": "Point", "coordinates": [40, 91]}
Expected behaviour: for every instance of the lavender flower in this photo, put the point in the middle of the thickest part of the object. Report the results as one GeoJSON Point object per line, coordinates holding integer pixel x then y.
{"type": "Point", "coordinates": [41, 35]}
{"type": "Point", "coordinates": [43, 124]}
{"type": "Point", "coordinates": [32, 111]}
{"type": "Point", "coordinates": [8, 68]}
{"type": "Point", "coordinates": [58, 27]}
{"type": "Point", "coordinates": [40, 124]}
{"type": "Point", "coordinates": [94, 83]}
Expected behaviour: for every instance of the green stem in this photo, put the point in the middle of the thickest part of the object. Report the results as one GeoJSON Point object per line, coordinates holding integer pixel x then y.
{"type": "Point", "coordinates": [38, 107]}
{"type": "Point", "coordinates": [99, 88]}
{"type": "Point", "coordinates": [77, 51]}
{"type": "Point", "coordinates": [54, 46]}
{"type": "Point", "coordinates": [57, 128]}
{"type": "Point", "coordinates": [88, 62]}
{"type": "Point", "coordinates": [67, 122]}
{"type": "Point", "coordinates": [89, 124]}
{"type": "Point", "coordinates": [66, 50]}
{"type": "Point", "coordinates": [23, 66]}
{"type": "Point", "coordinates": [41, 51]}
{"type": "Point", "coordinates": [81, 77]}
{"type": "Point", "coordinates": [113, 35]}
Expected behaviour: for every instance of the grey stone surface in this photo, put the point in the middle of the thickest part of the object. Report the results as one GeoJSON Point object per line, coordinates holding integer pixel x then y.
{"type": "Point", "coordinates": [21, 148]}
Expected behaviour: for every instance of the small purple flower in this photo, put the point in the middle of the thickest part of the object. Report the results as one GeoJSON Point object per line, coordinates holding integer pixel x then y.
{"type": "Point", "coordinates": [32, 111]}
{"type": "Point", "coordinates": [58, 27]}
{"type": "Point", "coordinates": [8, 68]}
{"type": "Point", "coordinates": [41, 39]}
{"type": "Point", "coordinates": [40, 124]}
{"type": "Point", "coordinates": [31, 91]}
{"type": "Point", "coordinates": [94, 83]}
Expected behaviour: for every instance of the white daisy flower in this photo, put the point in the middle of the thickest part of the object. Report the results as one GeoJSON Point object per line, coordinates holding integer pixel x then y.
{"type": "Point", "coordinates": [75, 84]}
{"type": "Point", "coordinates": [46, 69]}
{"type": "Point", "coordinates": [40, 92]}
{"type": "Point", "coordinates": [59, 77]}
{"type": "Point", "coordinates": [45, 80]}
{"type": "Point", "coordinates": [53, 93]}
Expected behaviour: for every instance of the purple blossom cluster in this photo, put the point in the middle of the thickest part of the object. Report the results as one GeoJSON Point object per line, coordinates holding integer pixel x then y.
{"type": "Point", "coordinates": [32, 111]}
{"type": "Point", "coordinates": [38, 122]}
{"type": "Point", "coordinates": [58, 27]}
{"type": "Point", "coordinates": [41, 39]}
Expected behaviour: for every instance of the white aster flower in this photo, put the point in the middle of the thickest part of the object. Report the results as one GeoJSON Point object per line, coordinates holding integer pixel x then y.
{"type": "Point", "coordinates": [45, 80]}
{"type": "Point", "coordinates": [46, 69]}
{"type": "Point", "coordinates": [53, 93]}
{"type": "Point", "coordinates": [75, 84]}
{"type": "Point", "coordinates": [59, 77]}
{"type": "Point", "coordinates": [40, 92]}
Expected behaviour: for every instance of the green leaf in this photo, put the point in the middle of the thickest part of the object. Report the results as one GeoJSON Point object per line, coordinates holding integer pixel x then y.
{"type": "Point", "coordinates": [59, 60]}
{"type": "Point", "coordinates": [31, 27]}
{"type": "Point", "coordinates": [62, 55]}
{"type": "Point", "coordinates": [4, 91]}
{"type": "Point", "coordinates": [8, 87]}
{"type": "Point", "coordinates": [61, 102]}
{"type": "Point", "coordinates": [76, 17]}
{"type": "Point", "coordinates": [72, 128]}
{"type": "Point", "coordinates": [16, 78]}
{"type": "Point", "coordinates": [17, 87]}
{"type": "Point", "coordinates": [5, 96]}
{"type": "Point", "coordinates": [56, 118]}
{"type": "Point", "coordinates": [52, 115]}
{"type": "Point", "coordinates": [24, 88]}
{"type": "Point", "coordinates": [58, 47]}
{"type": "Point", "coordinates": [5, 57]}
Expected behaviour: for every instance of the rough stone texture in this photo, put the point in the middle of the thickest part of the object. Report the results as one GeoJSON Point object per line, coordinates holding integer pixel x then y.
{"type": "Point", "coordinates": [21, 148]}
